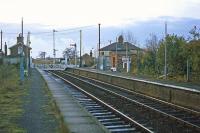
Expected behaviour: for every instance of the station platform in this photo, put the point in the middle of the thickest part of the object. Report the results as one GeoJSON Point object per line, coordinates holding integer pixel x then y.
{"type": "Point", "coordinates": [181, 85]}
{"type": "Point", "coordinates": [77, 119]}
{"type": "Point", "coordinates": [188, 97]}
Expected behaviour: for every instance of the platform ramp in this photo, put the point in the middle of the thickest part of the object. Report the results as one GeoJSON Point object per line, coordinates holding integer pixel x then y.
{"type": "Point", "coordinates": [50, 66]}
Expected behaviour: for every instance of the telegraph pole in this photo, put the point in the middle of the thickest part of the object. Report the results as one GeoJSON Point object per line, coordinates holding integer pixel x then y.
{"type": "Point", "coordinates": [28, 54]}
{"type": "Point", "coordinates": [99, 38]}
{"type": "Point", "coordinates": [21, 54]}
{"type": "Point", "coordinates": [23, 30]}
{"type": "Point", "coordinates": [165, 69]}
{"type": "Point", "coordinates": [75, 55]}
{"type": "Point", "coordinates": [98, 64]}
{"type": "Point", "coordinates": [80, 48]}
{"type": "Point", "coordinates": [54, 50]}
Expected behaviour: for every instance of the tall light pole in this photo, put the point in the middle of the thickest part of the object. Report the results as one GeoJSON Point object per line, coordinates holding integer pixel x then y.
{"type": "Point", "coordinates": [54, 50]}
{"type": "Point", "coordinates": [99, 38]}
{"type": "Point", "coordinates": [28, 42]}
{"type": "Point", "coordinates": [116, 55]}
{"type": "Point", "coordinates": [165, 68]}
{"type": "Point", "coordinates": [99, 45]}
{"type": "Point", "coordinates": [80, 63]}
{"type": "Point", "coordinates": [127, 59]}
{"type": "Point", "coordinates": [21, 54]}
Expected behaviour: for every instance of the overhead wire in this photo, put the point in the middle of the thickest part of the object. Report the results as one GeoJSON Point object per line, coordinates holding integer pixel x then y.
{"type": "Point", "coordinates": [68, 31]}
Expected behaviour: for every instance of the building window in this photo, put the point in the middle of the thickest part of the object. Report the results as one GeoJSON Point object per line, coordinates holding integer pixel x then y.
{"type": "Point", "coordinates": [102, 53]}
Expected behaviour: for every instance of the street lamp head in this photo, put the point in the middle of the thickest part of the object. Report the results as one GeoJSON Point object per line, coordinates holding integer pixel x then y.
{"type": "Point", "coordinates": [73, 44]}
{"type": "Point", "coordinates": [55, 30]}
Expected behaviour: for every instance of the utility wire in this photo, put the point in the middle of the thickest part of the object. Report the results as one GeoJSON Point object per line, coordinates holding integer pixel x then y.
{"type": "Point", "coordinates": [71, 30]}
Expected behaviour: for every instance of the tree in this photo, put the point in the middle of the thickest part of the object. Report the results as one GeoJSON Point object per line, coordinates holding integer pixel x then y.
{"type": "Point", "coordinates": [149, 61]}
{"type": "Point", "coordinates": [193, 48]}
{"type": "Point", "coordinates": [129, 37]}
{"type": "Point", "coordinates": [195, 33]}
{"type": "Point", "coordinates": [176, 55]}
{"type": "Point", "coordinates": [70, 53]}
{"type": "Point", "coordinates": [152, 43]}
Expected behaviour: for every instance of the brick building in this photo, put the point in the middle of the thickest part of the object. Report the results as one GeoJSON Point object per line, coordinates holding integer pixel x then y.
{"type": "Point", "coordinates": [116, 55]}
{"type": "Point", "coordinates": [15, 50]}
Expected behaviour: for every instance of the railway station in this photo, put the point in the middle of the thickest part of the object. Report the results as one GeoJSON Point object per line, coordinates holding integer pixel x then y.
{"type": "Point", "coordinates": [100, 67]}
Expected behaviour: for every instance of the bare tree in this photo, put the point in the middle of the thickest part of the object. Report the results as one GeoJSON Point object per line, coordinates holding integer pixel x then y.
{"type": "Point", "coordinates": [129, 37]}
{"type": "Point", "coordinates": [195, 32]}
{"type": "Point", "coordinates": [152, 43]}
{"type": "Point", "coordinates": [69, 52]}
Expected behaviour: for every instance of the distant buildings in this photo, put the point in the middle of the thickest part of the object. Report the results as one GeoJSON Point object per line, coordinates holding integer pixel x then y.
{"type": "Point", "coordinates": [15, 50]}
{"type": "Point", "coordinates": [117, 56]}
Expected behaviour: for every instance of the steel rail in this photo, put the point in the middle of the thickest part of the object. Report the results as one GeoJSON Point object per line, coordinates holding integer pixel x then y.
{"type": "Point", "coordinates": [148, 107]}
{"type": "Point", "coordinates": [125, 117]}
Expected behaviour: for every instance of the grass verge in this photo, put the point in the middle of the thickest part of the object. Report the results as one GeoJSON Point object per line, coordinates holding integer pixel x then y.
{"type": "Point", "coordinates": [10, 99]}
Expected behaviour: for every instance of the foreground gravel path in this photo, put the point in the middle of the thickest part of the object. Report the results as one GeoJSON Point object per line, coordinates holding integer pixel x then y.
{"type": "Point", "coordinates": [38, 117]}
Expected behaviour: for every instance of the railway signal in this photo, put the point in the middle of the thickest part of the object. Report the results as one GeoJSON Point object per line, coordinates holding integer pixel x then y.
{"type": "Point", "coordinates": [75, 56]}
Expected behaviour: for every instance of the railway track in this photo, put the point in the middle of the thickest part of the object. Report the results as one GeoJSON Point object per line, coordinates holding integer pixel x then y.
{"type": "Point", "coordinates": [112, 119]}
{"type": "Point", "coordinates": [155, 115]}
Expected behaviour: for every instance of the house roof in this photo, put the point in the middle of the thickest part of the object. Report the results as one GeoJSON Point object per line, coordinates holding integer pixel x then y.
{"type": "Point", "coordinates": [18, 44]}
{"type": "Point", "coordinates": [119, 46]}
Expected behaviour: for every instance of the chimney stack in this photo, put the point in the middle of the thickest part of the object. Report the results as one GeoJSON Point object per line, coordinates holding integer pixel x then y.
{"type": "Point", "coordinates": [90, 53]}
{"type": "Point", "coordinates": [20, 39]}
{"type": "Point", "coordinates": [5, 47]}
{"type": "Point", "coordinates": [120, 39]}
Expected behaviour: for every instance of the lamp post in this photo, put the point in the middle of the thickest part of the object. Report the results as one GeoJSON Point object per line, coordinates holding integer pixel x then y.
{"type": "Point", "coordinates": [54, 50]}
{"type": "Point", "coordinates": [80, 63]}
{"type": "Point", "coordinates": [20, 51]}
{"type": "Point", "coordinates": [116, 55]}
{"type": "Point", "coordinates": [99, 45]}
{"type": "Point", "coordinates": [127, 59]}
{"type": "Point", "coordinates": [165, 68]}
{"type": "Point", "coordinates": [21, 62]}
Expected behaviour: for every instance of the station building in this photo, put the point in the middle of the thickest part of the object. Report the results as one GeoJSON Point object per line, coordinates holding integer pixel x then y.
{"type": "Point", "coordinates": [117, 55]}
{"type": "Point", "coordinates": [16, 50]}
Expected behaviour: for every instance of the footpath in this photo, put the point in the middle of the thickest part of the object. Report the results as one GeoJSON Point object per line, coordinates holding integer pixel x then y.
{"type": "Point", "coordinates": [38, 116]}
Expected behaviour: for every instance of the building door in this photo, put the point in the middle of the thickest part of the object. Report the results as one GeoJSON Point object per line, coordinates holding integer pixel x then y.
{"type": "Point", "coordinates": [113, 63]}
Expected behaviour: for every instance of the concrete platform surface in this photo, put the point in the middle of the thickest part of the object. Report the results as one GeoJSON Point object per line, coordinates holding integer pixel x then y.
{"type": "Point", "coordinates": [78, 120]}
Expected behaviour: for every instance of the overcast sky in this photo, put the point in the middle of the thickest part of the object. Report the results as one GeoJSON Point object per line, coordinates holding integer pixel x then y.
{"type": "Point", "coordinates": [44, 15]}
